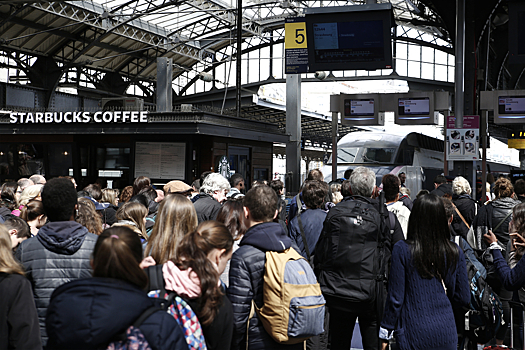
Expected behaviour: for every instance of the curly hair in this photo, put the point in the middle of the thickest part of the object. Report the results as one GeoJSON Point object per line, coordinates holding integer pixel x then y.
{"type": "Point", "coordinates": [88, 217]}
{"type": "Point", "coordinates": [126, 194]}
{"type": "Point", "coordinates": [59, 198]}
{"type": "Point", "coordinates": [503, 188]}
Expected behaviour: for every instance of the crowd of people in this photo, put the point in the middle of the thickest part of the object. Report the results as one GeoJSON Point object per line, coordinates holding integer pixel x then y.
{"type": "Point", "coordinates": [187, 266]}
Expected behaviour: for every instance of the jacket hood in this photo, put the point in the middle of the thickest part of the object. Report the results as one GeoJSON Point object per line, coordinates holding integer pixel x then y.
{"type": "Point", "coordinates": [267, 236]}
{"type": "Point", "coordinates": [88, 313]}
{"type": "Point", "coordinates": [62, 237]}
{"type": "Point", "coordinates": [185, 283]}
{"type": "Point", "coordinates": [505, 203]}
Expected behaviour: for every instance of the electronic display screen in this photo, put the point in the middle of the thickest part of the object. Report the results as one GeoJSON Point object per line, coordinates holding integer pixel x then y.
{"type": "Point", "coordinates": [413, 106]}
{"type": "Point", "coordinates": [349, 42]}
{"type": "Point", "coordinates": [511, 104]}
{"type": "Point", "coordinates": [350, 39]}
{"type": "Point", "coordinates": [359, 107]}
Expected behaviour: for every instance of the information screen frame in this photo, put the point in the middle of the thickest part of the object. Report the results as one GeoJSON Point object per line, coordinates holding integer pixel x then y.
{"type": "Point", "coordinates": [401, 110]}
{"type": "Point", "coordinates": [346, 16]}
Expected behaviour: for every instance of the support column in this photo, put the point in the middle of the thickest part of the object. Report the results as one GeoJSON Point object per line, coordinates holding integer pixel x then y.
{"type": "Point", "coordinates": [238, 62]}
{"type": "Point", "coordinates": [164, 87]}
{"type": "Point", "coordinates": [334, 108]}
{"type": "Point", "coordinates": [484, 141]}
{"type": "Point", "coordinates": [293, 128]}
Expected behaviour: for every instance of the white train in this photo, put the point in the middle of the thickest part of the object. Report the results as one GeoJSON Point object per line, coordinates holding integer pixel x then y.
{"type": "Point", "coordinates": [419, 156]}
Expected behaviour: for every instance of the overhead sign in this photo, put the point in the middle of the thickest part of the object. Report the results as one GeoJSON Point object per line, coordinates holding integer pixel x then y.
{"type": "Point", "coordinates": [508, 105]}
{"type": "Point", "coordinates": [160, 160]}
{"type": "Point", "coordinates": [78, 117]}
{"type": "Point", "coordinates": [463, 143]}
{"type": "Point", "coordinates": [360, 110]}
{"type": "Point", "coordinates": [295, 46]}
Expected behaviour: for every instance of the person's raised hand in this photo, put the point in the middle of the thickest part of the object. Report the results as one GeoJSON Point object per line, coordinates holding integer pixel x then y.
{"type": "Point", "coordinates": [490, 237]}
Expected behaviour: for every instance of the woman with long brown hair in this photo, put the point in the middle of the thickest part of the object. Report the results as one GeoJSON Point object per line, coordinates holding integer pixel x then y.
{"type": "Point", "coordinates": [176, 218]}
{"type": "Point", "coordinates": [88, 217]}
{"type": "Point", "coordinates": [231, 215]}
{"type": "Point", "coordinates": [194, 276]}
{"type": "Point", "coordinates": [139, 183]}
{"type": "Point", "coordinates": [89, 313]}
{"type": "Point", "coordinates": [133, 215]}
{"type": "Point", "coordinates": [19, 327]}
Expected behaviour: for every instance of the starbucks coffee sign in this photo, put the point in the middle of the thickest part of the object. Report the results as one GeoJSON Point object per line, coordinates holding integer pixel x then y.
{"type": "Point", "coordinates": [78, 117]}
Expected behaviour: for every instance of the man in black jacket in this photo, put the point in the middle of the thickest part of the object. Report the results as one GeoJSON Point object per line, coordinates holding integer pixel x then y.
{"type": "Point", "coordinates": [212, 193]}
{"type": "Point", "coordinates": [441, 187]}
{"type": "Point", "coordinates": [62, 249]}
{"type": "Point", "coordinates": [247, 269]}
{"type": "Point", "coordinates": [356, 241]}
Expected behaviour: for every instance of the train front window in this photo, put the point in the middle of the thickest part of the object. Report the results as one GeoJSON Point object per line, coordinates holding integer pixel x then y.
{"type": "Point", "coordinates": [378, 155]}
{"type": "Point", "coordinates": [346, 154]}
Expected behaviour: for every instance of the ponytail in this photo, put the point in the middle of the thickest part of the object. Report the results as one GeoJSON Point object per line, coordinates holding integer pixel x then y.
{"type": "Point", "coordinates": [117, 254]}
{"type": "Point", "coordinates": [192, 252]}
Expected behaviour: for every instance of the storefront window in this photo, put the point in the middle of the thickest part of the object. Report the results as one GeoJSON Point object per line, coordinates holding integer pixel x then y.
{"type": "Point", "coordinates": [60, 159]}
{"type": "Point", "coordinates": [21, 160]}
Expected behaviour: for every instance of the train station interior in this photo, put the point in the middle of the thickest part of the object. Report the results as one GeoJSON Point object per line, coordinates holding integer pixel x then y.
{"type": "Point", "coordinates": [218, 78]}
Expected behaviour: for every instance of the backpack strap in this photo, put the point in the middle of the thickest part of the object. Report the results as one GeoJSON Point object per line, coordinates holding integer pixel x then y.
{"type": "Point", "coordinates": [502, 221]}
{"type": "Point", "coordinates": [156, 279]}
{"type": "Point", "coordinates": [299, 203]}
{"type": "Point", "coordinates": [301, 228]}
{"type": "Point", "coordinates": [461, 216]}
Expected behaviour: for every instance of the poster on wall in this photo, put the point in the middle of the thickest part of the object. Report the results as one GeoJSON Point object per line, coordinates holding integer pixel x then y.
{"type": "Point", "coordinates": [160, 160]}
{"type": "Point", "coordinates": [463, 144]}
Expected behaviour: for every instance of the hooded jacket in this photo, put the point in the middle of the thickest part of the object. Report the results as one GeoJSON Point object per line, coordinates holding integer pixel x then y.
{"type": "Point", "coordinates": [60, 253]}
{"type": "Point", "coordinates": [246, 284]}
{"type": "Point", "coordinates": [88, 313]}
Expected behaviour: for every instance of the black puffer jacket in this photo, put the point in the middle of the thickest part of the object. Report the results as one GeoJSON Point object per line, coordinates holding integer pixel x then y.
{"type": "Point", "coordinates": [468, 209]}
{"type": "Point", "coordinates": [206, 207]}
{"type": "Point", "coordinates": [246, 284]}
{"type": "Point", "coordinates": [88, 313]}
{"type": "Point", "coordinates": [501, 207]}
{"type": "Point", "coordinates": [18, 318]}
{"type": "Point", "coordinates": [60, 253]}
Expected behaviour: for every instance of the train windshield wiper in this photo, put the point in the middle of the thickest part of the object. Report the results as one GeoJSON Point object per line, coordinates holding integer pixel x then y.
{"type": "Point", "coordinates": [370, 160]}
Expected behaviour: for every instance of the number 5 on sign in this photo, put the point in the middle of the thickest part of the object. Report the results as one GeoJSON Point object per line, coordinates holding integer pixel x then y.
{"type": "Point", "coordinates": [295, 35]}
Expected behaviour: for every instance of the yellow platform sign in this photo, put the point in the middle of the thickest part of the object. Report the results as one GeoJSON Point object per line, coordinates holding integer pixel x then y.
{"type": "Point", "coordinates": [295, 35]}
{"type": "Point", "coordinates": [517, 143]}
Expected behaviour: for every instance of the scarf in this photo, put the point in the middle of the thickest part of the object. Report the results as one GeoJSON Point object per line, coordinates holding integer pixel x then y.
{"type": "Point", "coordinates": [185, 283]}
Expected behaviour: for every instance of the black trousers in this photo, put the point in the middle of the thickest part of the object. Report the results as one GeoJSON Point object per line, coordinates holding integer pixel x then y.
{"type": "Point", "coordinates": [342, 323]}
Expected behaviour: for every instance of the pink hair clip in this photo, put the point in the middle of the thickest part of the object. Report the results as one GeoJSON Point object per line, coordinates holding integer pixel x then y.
{"type": "Point", "coordinates": [114, 236]}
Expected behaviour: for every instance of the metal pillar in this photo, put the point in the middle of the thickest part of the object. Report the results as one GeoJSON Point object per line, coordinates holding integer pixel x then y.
{"type": "Point", "coordinates": [293, 128]}
{"type": "Point", "coordinates": [238, 58]}
{"type": "Point", "coordinates": [164, 88]}
{"type": "Point", "coordinates": [484, 139]}
{"type": "Point", "coordinates": [334, 99]}
{"type": "Point", "coordinates": [460, 63]}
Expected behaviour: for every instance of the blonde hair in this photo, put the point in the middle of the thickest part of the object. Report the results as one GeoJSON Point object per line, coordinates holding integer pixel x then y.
{"type": "Point", "coordinates": [461, 186]}
{"type": "Point", "coordinates": [30, 193]}
{"type": "Point", "coordinates": [503, 188]}
{"type": "Point", "coordinates": [8, 264]}
{"type": "Point", "coordinates": [134, 212]}
{"type": "Point", "coordinates": [336, 193]}
{"type": "Point", "coordinates": [109, 195]}
{"type": "Point", "coordinates": [176, 217]}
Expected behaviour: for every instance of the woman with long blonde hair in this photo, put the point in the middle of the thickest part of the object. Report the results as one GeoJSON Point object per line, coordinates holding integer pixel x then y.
{"type": "Point", "coordinates": [176, 218]}
{"type": "Point", "coordinates": [133, 215]}
{"type": "Point", "coordinates": [19, 327]}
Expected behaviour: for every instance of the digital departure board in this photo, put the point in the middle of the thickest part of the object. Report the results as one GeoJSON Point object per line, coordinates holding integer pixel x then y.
{"type": "Point", "coordinates": [359, 107]}
{"type": "Point", "coordinates": [350, 37]}
{"type": "Point", "coordinates": [413, 106]}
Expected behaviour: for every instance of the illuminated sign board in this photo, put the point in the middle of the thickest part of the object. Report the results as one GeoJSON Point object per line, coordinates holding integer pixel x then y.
{"type": "Point", "coordinates": [413, 106]}
{"type": "Point", "coordinates": [78, 117]}
{"type": "Point", "coordinates": [508, 105]}
{"type": "Point", "coordinates": [360, 110]}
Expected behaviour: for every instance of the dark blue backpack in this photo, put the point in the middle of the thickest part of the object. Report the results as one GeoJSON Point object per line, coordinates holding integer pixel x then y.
{"type": "Point", "coordinates": [484, 316]}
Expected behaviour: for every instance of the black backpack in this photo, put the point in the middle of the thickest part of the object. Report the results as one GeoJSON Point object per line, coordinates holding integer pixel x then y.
{"type": "Point", "coordinates": [351, 256]}
{"type": "Point", "coordinates": [484, 316]}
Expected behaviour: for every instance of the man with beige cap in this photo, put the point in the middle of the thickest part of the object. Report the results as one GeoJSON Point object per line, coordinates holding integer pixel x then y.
{"type": "Point", "coordinates": [178, 187]}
